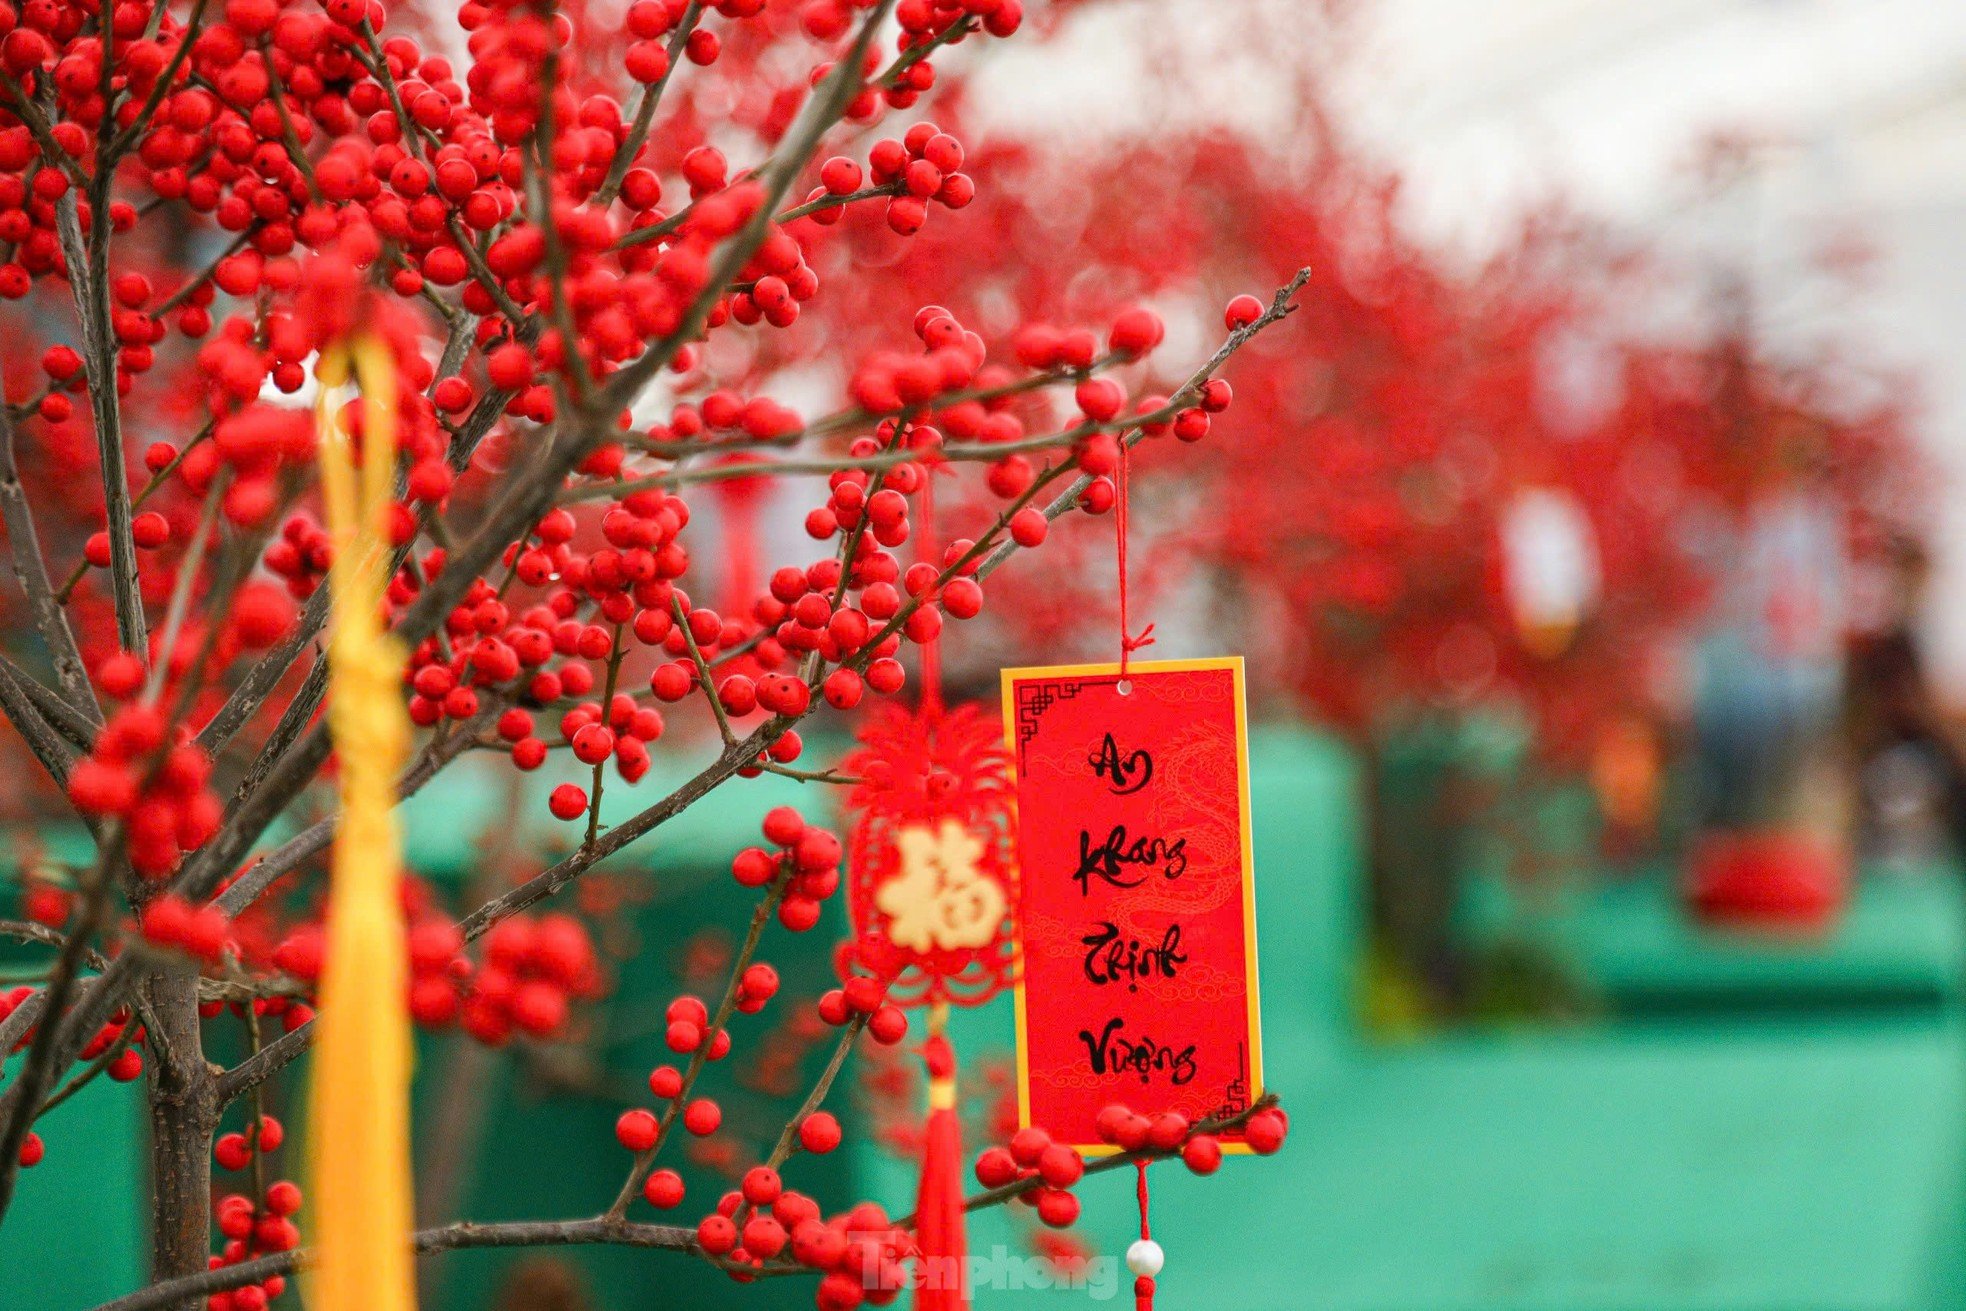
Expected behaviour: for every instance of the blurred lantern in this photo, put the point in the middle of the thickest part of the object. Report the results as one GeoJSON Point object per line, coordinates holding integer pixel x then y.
{"type": "Point", "coordinates": [1550, 567]}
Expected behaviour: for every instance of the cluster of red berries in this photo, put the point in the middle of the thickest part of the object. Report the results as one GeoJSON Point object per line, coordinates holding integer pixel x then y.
{"type": "Point", "coordinates": [234, 1151]}
{"type": "Point", "coordinates": [294, 130]}
{"type": "Point", "coordinates": [1170, 1130]}
{"type": "Point", "coordinates": [805, 612]}
{"type": "Point", "coordinates": [301, 554]}
{"type": "Point", "coordinates": [864, 997]}
{"type": "Point", "coordinates": [860, 1252]}
{"type": "Point", "coordinates": [1032, 1154]}
{"type": "Point", "coordinates": [532, 972]}
{"type": "Point", "coordinates": [123, 1033]}
{"type": "Point", "coordinates": [159, 788]}
{"type": "Point", "coordinates": [291, 1012]}
{"type": "Point", "coordinates": [534, 969]}
{"type": "Point", "coordinates": [805, 866]}
{"type": "Point", "coordinates": [253, 1229]}
{"type": "Point", "coordinates": [627, 580]}
{"type": "Point", "coordinates": [199, 931]}
{"type": "Point", "coordinates": [951, 359]}
{"type": "Point", "coordinates": [924, 165]}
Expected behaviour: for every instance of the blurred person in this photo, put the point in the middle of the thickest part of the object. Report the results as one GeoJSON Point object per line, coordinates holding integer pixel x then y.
{"type": "Point", "coordinates": [1910, 773]}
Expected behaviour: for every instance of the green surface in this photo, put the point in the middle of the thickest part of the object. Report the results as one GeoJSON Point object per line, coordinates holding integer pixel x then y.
{"type": "Point", "coordinates": [1900, 944]}
{"type": "Point", "coordinates": [1725, 1170]}
{"type": "Point", "coordinates": [1711, 1170]}
{"type": "Point", "coordinates": [1901, 941]}
{"type": "Point", "coordinates": [75, 1234]}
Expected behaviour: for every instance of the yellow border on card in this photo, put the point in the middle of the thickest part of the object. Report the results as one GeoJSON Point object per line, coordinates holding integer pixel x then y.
{"type": "Point", "coordinates": [1008, 680]}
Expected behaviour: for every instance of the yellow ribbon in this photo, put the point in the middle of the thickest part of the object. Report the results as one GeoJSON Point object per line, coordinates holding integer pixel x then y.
{"type": "Point", "coordinates": [359, 1118]}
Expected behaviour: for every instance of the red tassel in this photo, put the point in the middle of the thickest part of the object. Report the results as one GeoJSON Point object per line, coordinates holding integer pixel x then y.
{"type": "Point", "coordinates": [944, 1271]}
{"type": "Point", "coordinates": [1143, 1293]}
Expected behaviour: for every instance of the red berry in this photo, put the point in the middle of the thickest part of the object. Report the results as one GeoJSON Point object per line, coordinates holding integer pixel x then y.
{"type": "Point", "coordinates": [683, 1037]}
{"type": "Point", "coordinates": [1265, 1131]}
{"type": "Point", "coordinates": [819, 1133]}
{"type": "Point", "coordinates": [150, 530]}
{"type": "Point", "coordinates": [1060, 1165]}
{"type": "Point", "coordinates": [592, 745]}
{"type": "Point", "coordinates": [1166, 1131]}
{"type": "Point", "coordinates": [864, 993]}
{"type": "Point", "coordinates": [1136, 331]}
{"type": "Point", "coordinates": [761, 1185]}
{"type": "Point", "coordinates": [1242, 311]}
{"type": "Point", "coordinates": [637, 1129]}
{"type": "Point", "coordinates": [283, 1197]}
{"type": "Point", "coordinates": [1027, 1146]}
{"type": "Point", "coordinates": [702, 1116]}
{"type": "Point", "coordinates": [716, 1234]}
{"type": "Point", "coordinates": [753, 867]}
{"type": "Point", "coordinates": [764, 1237]}
{"type": "Point", "coordinates": [783, 826]}
{"type": "Point", "coordinates": [231, 1152]}
{"type": "Point", "coordinates": [1131, 1133]}
{"type": "Point", "coordinates": [663, 1189]}
{"type": "Point", "coordinates": [1057, 1208]}
{"type": "Point", "coordinates": [119, 674]}
{"type": "Point", "coordinates": [996, 1167]}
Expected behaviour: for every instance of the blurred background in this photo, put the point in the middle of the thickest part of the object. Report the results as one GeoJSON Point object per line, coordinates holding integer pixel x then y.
{"type": "Point", "coordinates": [1586, 532]}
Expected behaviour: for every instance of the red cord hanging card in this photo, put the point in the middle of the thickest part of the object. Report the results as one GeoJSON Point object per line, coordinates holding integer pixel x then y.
{"type": "Point", "coordinates": [932, 878]}
{"type": "Point", "coordinates": [1136, 907]}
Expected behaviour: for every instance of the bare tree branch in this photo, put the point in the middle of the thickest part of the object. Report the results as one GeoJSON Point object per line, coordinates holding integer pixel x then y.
{"type": "Point", "coordinates": [88, 278]}
{"type": "Point", "coordinates": [31, 571]}
{"type": "Point", "coordinates": [449, 1238]}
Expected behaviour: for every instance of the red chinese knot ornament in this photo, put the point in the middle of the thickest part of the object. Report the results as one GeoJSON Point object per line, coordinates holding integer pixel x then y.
{"type": "Point", "coordinates": [932, 866]}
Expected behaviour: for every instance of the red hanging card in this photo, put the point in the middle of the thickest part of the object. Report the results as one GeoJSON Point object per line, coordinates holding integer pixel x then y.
{"type": "Point", "coordinates": [1136, 911]}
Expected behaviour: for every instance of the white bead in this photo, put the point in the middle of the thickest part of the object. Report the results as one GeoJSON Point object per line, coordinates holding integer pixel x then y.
{"type": "Point", "coordinates": [1145, 1258]}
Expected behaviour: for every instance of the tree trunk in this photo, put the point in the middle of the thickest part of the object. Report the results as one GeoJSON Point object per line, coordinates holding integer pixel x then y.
{"type": "Point", "coordinates": [183, 1116]}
